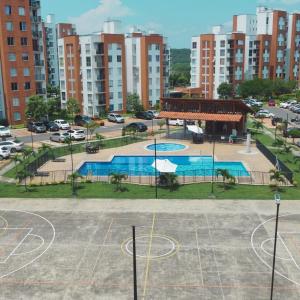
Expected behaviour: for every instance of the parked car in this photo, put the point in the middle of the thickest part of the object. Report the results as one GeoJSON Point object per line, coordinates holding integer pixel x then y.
{"type": "Point", "coordinates": [59, 137]}
{"type": "Point", "coordinates": [297, 110]}
{"type": "Point", "coordinates": [287, 104]}
{"type": "Point", "coordinates": [292, 132]}
{"type": "Point", "coordinates": [276, 120]}
{"type": "Point", "coordinates": [176, 122]}
{"type": "Point", "coordinates": [144, 115]}
{"type": "Point", "coordinates": [138, 126]}
{"type": "Point", "coordinates": [112, 117]}
{"type": "Point", "coordinates": [76, 134]}
{"type": "Point", "coordinates": [62, 124]}
{"type": "Point", "coordinates": [37, 127]}
{"type": "Point", "coordinates": [294, 107]}
{"type": "Point", "coordinates": [4, 152]}
{"type": "Point", "coordinates": [12, 146]}
{"type": "Point", "coordinates": [272, 102]}
{"type": "Point", "coordinates": [51, 126]}
{"type": "Point", "coordinates": [82, 120]}
{"type": "Point", "coordinates": [253, 102]}
{"type": "Point", "coordinates": [154, 113]}
{"type": "Point", "coordinates": [263, 113]}
{"type": "Point", "coordinates": [4, 131]}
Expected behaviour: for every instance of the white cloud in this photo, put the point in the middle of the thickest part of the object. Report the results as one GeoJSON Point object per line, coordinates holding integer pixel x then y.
{"type": "Point", "coordinates": [285, 2]}
{"type": "Point", "coordinates": [93, 19]}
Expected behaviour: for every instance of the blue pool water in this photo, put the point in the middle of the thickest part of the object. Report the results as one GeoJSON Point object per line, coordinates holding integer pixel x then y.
{"type": "Point", "coordinates": [164, 147]}
{"type": "Point", "coordinates": [141, 166]}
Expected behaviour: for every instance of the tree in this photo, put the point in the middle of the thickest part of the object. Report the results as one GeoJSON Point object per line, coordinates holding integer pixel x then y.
{"type": "Point", "coordinates": [36, 108]}
{"type": "Point", "coordinates": [169, 180]}
{"type": "Point", "coordinates": [53, 91]}
{"type": "Point", "coordinates": [134, 103]}
{"type": "Point", "coordinates": [257, 125]}
{"type": "Point", "coordinates": [68, 141]}
{"type": "Point", "coordinates": [22, 174]}
{"type": "Point", "coordinates": [116, 179]}
{"type": "Point", "coordinates": [161, 123]}
{"type": "Point", "coordinates": [54, 107]}
{"type": "Point", "coordinates": [73, 107]}
{"type": "Point", "coordinates": [277, 177]}
{"type": "Point", "coordinates": [90, 128]}
{"type": "Point", "coordinates": [225, 90]}
{"type": "Point", "coordinates": [74, 180]}
{"type": "Point", "coordinates": [227, 177]}
{"type": "Point", "coordinates": [294, 133]}
{"type": "Point", "coordinates": [100, 138]}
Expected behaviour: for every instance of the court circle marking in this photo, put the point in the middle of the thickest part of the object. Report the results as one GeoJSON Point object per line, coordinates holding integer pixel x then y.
{"type": "Point", "coordinates": [174, 247]}
{"type": "Point", "coordinates": [41, 254]}
{"type": "Point", "coordinates": [259, 255]}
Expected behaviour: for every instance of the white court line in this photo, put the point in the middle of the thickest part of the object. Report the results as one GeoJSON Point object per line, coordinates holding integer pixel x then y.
{"type": "Point", "coordinates": [28, 252]}
{"type": "Point", "coordinates": [258, 256]}
{"type": "Point", "coordinates": [219, 277]}
{"type": "Point", "coordinates": [271, 254]}
{"type": "Point", "coordinates": [199, 257]}
{"type": "Point", "coordinates": [37, 257]}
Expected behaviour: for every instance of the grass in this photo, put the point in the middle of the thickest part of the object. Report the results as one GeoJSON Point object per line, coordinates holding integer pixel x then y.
{"type": "Point", "coordinates": [104, 191]}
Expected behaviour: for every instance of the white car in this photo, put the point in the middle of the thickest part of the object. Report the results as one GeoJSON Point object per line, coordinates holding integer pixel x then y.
{"type": "Point", "coordinates": [4, 131]}
{"type": "Point", "coordinates": [115, 118]}
{"type": "Point", "coordinates": [76, 134]}
{"type": "Point", "coordinates": [62, 124]}
{"type": "Point", "coordinates": [154, 113]}
{"type": "Point", "coordinates": [263, 113]}
{"type": "Point", "coordinates": [176, 122]}
{"type": "Point", "coordinates": [4, 152]}
{"type": "Point", "coordinates": [59, 137]}
{"type": "Point", "coordinates": [12, 146]}
{"type": "Point", "coordinates": [287, 104]}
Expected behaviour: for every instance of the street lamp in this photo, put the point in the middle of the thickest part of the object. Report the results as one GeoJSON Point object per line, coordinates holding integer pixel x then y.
{"type": "Point", "coordinates": [277, 201]}
{"type": "Point", "coordinates": [155, 156]}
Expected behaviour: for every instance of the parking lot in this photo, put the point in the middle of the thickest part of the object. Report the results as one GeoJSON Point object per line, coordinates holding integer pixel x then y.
{"type": "Point", "coordinates": [65, 249]}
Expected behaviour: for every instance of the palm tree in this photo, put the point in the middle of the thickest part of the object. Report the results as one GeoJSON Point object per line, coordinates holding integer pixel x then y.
{"type": "Point", "coordinates": [226, 176]}
{"type": "Point", "coordinates": [22, 174]}
{"type": "Point", "coordinates": [116, 179]}
{"type": "Point", "coordinates": [74, 178]}
{"type": "Point", "coordinates": [45, 148]}
{"type": "Point", "coordinates": [68, 141]}
{"type": "Point", "coordinates": [100, 138]}
{"type": "Point", "coordinates": [26, 152]}
{"type": "Point", "coordinates": [169, 180]}
{"type": "Point", "coordinates": [257, 125]}
{"type": "Point", "coordinates": [277, 177]}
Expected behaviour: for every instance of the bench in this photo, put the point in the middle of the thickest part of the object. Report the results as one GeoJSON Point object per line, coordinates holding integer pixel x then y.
{"type": "Point", "coordinates": [59, 160]}
{"type": "Point", "coordinates": [91, 149]}
{"type": "Point", "coordinates": [41, 174]}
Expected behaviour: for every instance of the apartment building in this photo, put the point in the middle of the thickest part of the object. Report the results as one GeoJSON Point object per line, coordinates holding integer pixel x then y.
{"type": "Point", "coordinates": [109, 65]}
{"type": "Point", "coordinates": [148, 60]}
{"type": "Point", "coordinates": [264, 45]}
{"type": "Point", "coordinates": [22, 57]}
{"type": "Point", "coordinates": [65, 29]}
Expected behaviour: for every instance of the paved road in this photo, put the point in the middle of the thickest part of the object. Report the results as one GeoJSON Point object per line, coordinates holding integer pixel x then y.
{"type": "Point", "coordinates": [283, 113]}
{"type": "Point", "coordinates": [45, 136]}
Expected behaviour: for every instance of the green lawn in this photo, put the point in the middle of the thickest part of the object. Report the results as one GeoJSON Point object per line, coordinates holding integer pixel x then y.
{"type": "Point", "coordinates": [103, 190]}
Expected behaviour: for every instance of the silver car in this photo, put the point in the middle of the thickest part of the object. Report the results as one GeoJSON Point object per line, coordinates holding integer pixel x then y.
{"type": "Point", "coordinates": [59, 137]}
{"type": "Point", "coordinates": [4, 153]}
{"type": "Point", "coordinates": [12, 145]}
{"type": "Point", "coordinates": [112, 117]}
{"type": "Point", "coordinates": [76, 134]}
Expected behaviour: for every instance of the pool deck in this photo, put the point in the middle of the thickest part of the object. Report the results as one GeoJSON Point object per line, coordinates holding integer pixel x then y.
{"type": "Point", "coordinates": [223, 152]}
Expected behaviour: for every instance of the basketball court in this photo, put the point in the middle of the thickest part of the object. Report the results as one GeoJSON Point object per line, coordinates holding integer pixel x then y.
{"type": "Point", "coordinates": [185, 250]}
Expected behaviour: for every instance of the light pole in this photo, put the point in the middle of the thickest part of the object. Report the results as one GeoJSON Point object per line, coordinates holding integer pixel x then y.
{"type": "Point", "coordinates": [277, 201]}
{"type": "Point", "coordinates": [155, 155]}
{"type": "Point", "coordinates": [134, 264]}
{"type": "Point", "coordinates": [213, 167]}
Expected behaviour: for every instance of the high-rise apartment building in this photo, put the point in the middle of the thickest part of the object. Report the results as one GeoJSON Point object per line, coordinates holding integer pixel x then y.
{"type": "Point", "coordinates": [22, 57]}
{"type": "Point", "coordinates": [147, 58]}
{"type": "Point", "coordinates": [101, 68]}
{"type": "Point", "coordinates": [264, 45]}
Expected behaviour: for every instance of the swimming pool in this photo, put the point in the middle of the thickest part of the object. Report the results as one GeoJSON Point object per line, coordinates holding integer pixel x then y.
{"type": "Point", "coordinates": [141, 166]}
{"type": "Point", "coordinates": [166, 147]}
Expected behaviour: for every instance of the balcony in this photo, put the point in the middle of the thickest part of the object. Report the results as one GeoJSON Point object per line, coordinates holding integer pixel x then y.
{"type": "Point", "coordinates": [41, 91]}
{"type": "Point", "coordinates": [40, 77]}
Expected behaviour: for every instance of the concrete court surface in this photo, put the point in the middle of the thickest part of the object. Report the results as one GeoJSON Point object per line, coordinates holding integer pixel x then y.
{"type": "Point", "coordinates": [81, 249]}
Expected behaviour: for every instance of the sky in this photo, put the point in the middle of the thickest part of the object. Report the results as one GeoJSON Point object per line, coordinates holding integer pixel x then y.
{"type": "Point", "coordinates": [178, 20]}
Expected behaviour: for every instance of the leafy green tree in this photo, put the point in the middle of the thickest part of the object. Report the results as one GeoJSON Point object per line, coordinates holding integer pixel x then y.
{"type": "Point", "coordinates": [134, 103]}
{"type": "Point", "coordinates": [257, 125]}
{"type": "Point", "coordinates": [294, 133]}
{"type": "Point", "coordinates": [53, 91]}
{"type": "Point", "coordinates": [225, 90]}
{"type": "Point", "coordinates": [73, 107]}
{"type": "Point", "coordinates": [169, 180]}
{"type": "Point", "coordinates": [36, 108]}
{"type": "Point", "coordinates": [22, 174]}
{"type": "Point", "coordinates": [227, 177]}
{"type": "Point", "coordinates": [116, 179]}
{"type": "Point", "coordinates": [277, 177]}
{"type": "Point", "coordinates": [74, 178]}
{"type": "Point", "coordinates": [53, 108]}
{"type": "Point", "coordinates": [161, 123]}
{"type": "Point", "coordinates": [90, 128]}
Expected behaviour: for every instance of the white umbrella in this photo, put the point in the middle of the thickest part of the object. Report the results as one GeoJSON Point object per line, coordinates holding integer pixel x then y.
{"type": "Point", "coordinates": [195, 129]}
{"type": "Point", "coordinates": [164, 166]}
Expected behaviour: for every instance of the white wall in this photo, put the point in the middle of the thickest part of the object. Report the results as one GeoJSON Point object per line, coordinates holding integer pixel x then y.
{"type": "Point", "coordinates": [195, 63]}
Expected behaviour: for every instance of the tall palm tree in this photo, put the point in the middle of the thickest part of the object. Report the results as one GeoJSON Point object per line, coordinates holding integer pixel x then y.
{"type": "Point", "coordinates": [277, 177]}
{"type": "Point", "coordinates": [227, 177]}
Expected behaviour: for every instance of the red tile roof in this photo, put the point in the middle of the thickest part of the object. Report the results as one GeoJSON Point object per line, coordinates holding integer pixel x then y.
{"type": "Point", "coordinates": [201, 116]}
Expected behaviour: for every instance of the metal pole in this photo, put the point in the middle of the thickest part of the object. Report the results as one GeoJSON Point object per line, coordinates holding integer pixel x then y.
{"type": "Point", "coordinates": [31, 139]}
{"type": "Point", "coordinates": [155, 155]}
{"type": "Point", "coordinates": [152, 126]}
{"type": "Point", "coordinates": [72, 165]}
{"type": "Point", "coordinates": [134, 264]}
{"type": "Point", "coordinates": [274, 253]}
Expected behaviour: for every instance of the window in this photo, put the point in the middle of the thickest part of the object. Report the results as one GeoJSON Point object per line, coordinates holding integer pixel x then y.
{"type": "Point", "coordinates": [150, 70]}
{"type": "Point", "coordinates": [21, 11]}
{"type": "Point", "coordinates": [120, 95]}
{"type": "Point", "coordinates": [109, 58]}
{"type": "Point", "coordinates": [25, 56]}
{"type": "Point", "coordinates": [157, 58]}
{"type": "Point", "coordinates": [10, 41]}
{"type": "Point", "coordinates": [194, 45]}
{"type": "Point", "coordinates": [17, 116]}
{"type": "Point", "coordinates": [111, 95]}
{"type": "Point", "coordinates": [157, 69]}
{"type": "Point", "coordinates": [222, 43]}
{"type": "Point", "coordinates": [7, 9]}
{"type": "Point", "coordinates": [23, 26]}
{"type": "Point", "coordinates": [87, 49]}
{"type": "Point", "coordinates": [88, 74]}
{"type": "Point", "coordinates": [13, 72]}
{"type": "Point", "coordinates": [26, 72]}
{"type": "Point", "coordinates": [16, 102]}
{"type": "Point", "coordinates": [27, 85]}
{"type": "Point", "coordinates": [12, 56]}
{"type": "Point", "coordinates": [88, 62]}
{"type": "Point", "coordinates": [119, 82]}
{"type": "Point", "coordinates": [24, 41]}
{"type": "Point", "coordinates": [111, 83]}
{"type": "Point", "coordinates": [157, 47]}
{"type": "Point", "coordinates": [14, 86]}
{"type": "Point", "coordinates": [119, 58]}
{"type": "Point", "coordinates": [149, 58]}
{"type": "Point", "coordinates": [9, 26]}
{"type": "Point", "coordinates": [89, 87]}
{"type": "Point", "coordinates": [222, 52]}
{"type": "Point", "coordinates": [150, 81]}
